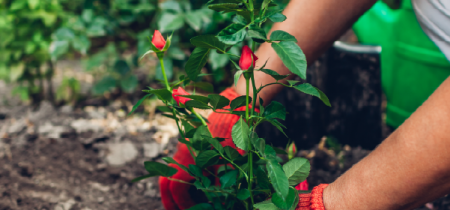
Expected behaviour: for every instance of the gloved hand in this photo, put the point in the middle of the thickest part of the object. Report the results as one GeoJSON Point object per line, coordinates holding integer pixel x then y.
{"type": "Point", "coordinates": [175, 195]}
{"type": "Point", "coordinates": [313, 200]}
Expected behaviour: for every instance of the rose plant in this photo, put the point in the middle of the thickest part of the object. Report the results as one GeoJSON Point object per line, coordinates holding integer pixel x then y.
{"type": "Point", "coordinates": [250, 175]}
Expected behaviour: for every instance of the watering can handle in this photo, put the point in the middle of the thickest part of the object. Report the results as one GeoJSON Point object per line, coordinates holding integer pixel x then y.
{"type": "Point", "coordinates": [357, 48]}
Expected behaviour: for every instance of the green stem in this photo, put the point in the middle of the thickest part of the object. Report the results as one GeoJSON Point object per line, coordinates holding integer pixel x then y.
{"type": "Point", "coordinates": [178, 180]}
{"type": "Point", "coordinates": [247, 84]}
{"type": "Point", "coordinates": [182, 133]}
{"type": "Point", "coordinates": [255, 93]}
{"type": "Point", "coordinates": [163, 70]}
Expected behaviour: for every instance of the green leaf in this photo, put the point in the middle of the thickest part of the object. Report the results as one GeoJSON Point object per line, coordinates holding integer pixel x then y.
{"type": "Point", "coordinates": [225, 7]}
{"type": "Point", "coordinates": [308, 89]}
{"type": "Point", "coordinates": [199, 98]}
{"type": "Point", "coordinates": [196, 171]}
{"type": "Point", "coordinates": [82, 44]}
{"type": "Point", "coordinates": [208, 41]}
{"type": "Point", "coordinates": [202, 206]}
{"type": "Point", "coordinates": [197, 104]}
{"type": "Point", "coordinates": [159, 169]}
{"type": "Point", "coordinates": [232, 34]}
{"type": "Point", "coordinates": [188, 128]}
{"type": "Point", "coordinates": [277, 17]}
{"type": "Point", "coordinates": [258, 143]}
{"type": "Point", "coordinates": [239, 133]}
{"type": "Point", "coordinates": [239, 20]}
{"type": "Point", "coordinates": [163, 94]}
{"type": "Point", "coordinates": [171, 160]}
{"type": "Point", "coordinates": [218, 60]}
{"type": "Point", "coordinates": [231, 153]}
{"type": "Point", "coordinates": [243, 194]}
{"type": "Point", "coordinates": [198, 140]}
{"type": "Point", "coordinates": [292, 57]}
{"type": "Point", "coordinates": [279, 35]}
{"type": "Point", "coordinates": [196, 61]}
{"type": "Point", "coordinates": [142, 177]}
{"type": "Point", "coordinates": [293, 82]}
{"type": "Point", "coordinates": [129, 84]}
{"type": "Point", "coordinates": [269, 152]}
{"type": "Point", "coordinates": [275, 110]}
{"type": "Point", "coordinates": [297, 170]}
{"type": "Point", "coordinates": [218, 101]}
{"type": "Point", "coordinates": [33, 4]}
{"type": "Point", "coordinates": [274, 74]}
{"type": "Point", "coordinates": [286, 203]}
{"type": "Point", "coordinates": [278, 178]}
{"type": "Point", "coordinates": [58, 48]}
{"type": "Point", "coordinates": [278, 125]}
{"type": "Point", "coordinates": [238, 102]}
{"type": "Point", "coordinates": [194, 20]}
{"type": "Point", "coordinates": [206, 86]}
{"type": "Point", "coordinates": [265, 205]}
{"type": "Point", "coordinates": [207, 158]}
{"type": "Point", "coordinates": [170, 22]}
{"type": "Point", "coordinates": [87, 15]}
{"type": "Point", "coordinates": [324, 98]}
{"type": "Point", "coordinates": [121, 67]}
{"type": "Point", "coordinates": [262, 179]}
{"type": "Point", "coordinates": [216, 144]}
{"type": "Point", "coordinates": [106, 84]}
{"type": "Point", "coordinates": [257, 33]}
{"type": "Point", "coordinates": [139, 103]}
{"type": "Point", "coordinates": [228, 179]}
{"type": "Point", "coordinates": [280, 151]}
{"type": "Point", "coordinates": [64, 34]}
{"type": "Point", "coordinates": [237, 75]}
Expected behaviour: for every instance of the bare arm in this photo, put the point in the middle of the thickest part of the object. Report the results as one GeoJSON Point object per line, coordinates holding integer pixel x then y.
{"type": "Point", "coordinates": [315, 24]}
{"type": "Point", "coordinates": [408, 169]}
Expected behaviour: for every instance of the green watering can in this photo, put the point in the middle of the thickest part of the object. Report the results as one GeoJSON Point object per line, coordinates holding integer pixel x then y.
{"type": "Point", "coordinates": [412, 67]}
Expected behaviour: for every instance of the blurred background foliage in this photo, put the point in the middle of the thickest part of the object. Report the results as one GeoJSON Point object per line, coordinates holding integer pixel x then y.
{"type": "Point", "coordinates": [108, 36]}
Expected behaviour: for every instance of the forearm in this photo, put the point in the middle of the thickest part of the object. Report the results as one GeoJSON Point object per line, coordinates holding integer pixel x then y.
{"type": "Point", "coordinates": [408, 169]}
{"type": "Point", "coordinates": [315, 24]}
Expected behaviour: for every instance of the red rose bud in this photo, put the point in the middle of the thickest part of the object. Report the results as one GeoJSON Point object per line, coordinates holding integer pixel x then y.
{"type": "Point", "coordinates": [302, 186]}
{"type": "Point", "coordinates": [177, 95]}
{"type": "Point", "coordinates": [158, 40]}
{"type": "Point", "coordinates": [246, 58]}
{"type": "Point", "coordinates": [292, 150]}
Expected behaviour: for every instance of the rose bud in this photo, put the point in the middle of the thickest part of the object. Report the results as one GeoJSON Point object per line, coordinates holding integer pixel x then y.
{"type": "Point", "coordinates": [177, 95]}
{"type": "Point", "coordinates": [158, 40]}
{"type": "Point", "coordinates": [246, 58]}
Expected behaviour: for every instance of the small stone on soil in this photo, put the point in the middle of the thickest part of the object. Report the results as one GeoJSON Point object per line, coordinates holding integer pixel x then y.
{"type": "Point", "coordinates": [121, 153]}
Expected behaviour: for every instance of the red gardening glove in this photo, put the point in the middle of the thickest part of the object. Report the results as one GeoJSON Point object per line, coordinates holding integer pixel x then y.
{"type": "Point", "coordinates": [175, 195]}
{"type": "Point", "coordinates": [313, 200]}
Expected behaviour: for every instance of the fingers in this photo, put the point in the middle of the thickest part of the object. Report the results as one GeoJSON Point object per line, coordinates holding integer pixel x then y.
{"type": "Point", "coordinates": [180, 191]}
{"type": "Point", "coordinates": [166, 195]}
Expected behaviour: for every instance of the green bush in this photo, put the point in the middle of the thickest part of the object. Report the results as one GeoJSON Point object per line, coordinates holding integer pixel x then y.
{"type": "Point", "coordinates": [26, 27]}
{"type": "Point", "coordinates": [108, 35]}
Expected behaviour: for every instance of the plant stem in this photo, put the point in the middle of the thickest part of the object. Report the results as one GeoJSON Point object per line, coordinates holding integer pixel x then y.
{"type": "Point", "coordinates": [247, 84]}
{"type": "Point", "coordinates": [164, 74]}
{"type": "Point", "coordinates": [255, 93]}
{"type": "Point", "coordinates": [178, 180]}
{"type": "Point", "coordinates": [199, 117]}
{"type": "Point", "coordinates": [163, 70]}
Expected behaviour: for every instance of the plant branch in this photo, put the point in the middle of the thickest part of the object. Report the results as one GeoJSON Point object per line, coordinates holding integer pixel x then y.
{"type": "Point", "coordinates": [180, 181]}
{"type": "Point", "coordinates": [164, 74]}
